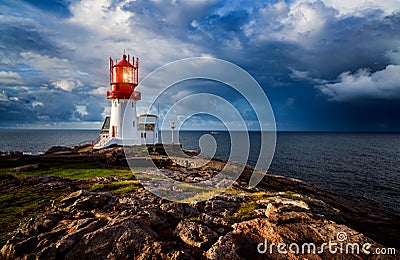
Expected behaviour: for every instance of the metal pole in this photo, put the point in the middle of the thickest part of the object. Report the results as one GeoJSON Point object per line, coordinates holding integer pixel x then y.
{"type": "Point", "coordinates": [172, 127]}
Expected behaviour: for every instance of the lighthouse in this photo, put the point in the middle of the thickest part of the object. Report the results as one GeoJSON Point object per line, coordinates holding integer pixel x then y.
{"type": "Point", "coordinates": [121, 127]}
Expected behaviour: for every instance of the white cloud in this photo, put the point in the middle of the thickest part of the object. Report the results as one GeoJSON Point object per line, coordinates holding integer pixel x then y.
{"type": "Point", "coordinates": [81, 110]}
{"type": "Point", "coordinates": [10, 78]}
{"type": "Point", "coordinates": [100, 91]}
{"type": "Point", "coordinates": [37, 104]}
{"type": "Point", "coordinates": [299, 21]}
{"type": "Point", "coordinates": [305, 19]}
{"type": "Point", "coordinates": [265, 41]}
{"type": "Point", "coordinates": [299, 74]}
{"type": "Point", "coordinates": [145, 29]}
{"type": "Point", "coordinates": [67, 85]}
{"type": "Point", "coordinates": [305, 75]}
{"type": "Point", "coordinates": [364, 84]}
{"type": "Point", "coordinates": [360, 6]}
{"type": "Point", "coordinates": [44, 62]}
{"type": "Point", "coordinates": [102, 16]}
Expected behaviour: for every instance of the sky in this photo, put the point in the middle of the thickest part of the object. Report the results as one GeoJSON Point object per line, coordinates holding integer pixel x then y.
{"type": "Point", "coordinates": [325, 65]}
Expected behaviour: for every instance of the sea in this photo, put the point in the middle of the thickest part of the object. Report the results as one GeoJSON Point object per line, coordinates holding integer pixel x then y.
{"type": "Point", "coordinates": [364, 166]}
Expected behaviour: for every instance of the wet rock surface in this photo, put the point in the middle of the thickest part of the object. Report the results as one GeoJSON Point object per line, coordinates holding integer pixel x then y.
{"type": "Point", "coordinates": [239, 224]}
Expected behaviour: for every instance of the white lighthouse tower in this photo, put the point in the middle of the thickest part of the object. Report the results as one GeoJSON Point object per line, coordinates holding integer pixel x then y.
{"type": "Point", "coordinates": [122, 124]}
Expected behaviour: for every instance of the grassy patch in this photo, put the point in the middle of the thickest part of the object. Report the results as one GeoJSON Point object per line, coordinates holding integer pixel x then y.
{"type": "Point", "coordinates": [202, 195]}
{"type": "Point", "coordinates": [22, 203]}
{"type": "Point", "coordinates": [292, 196]}
{"type": "Point", "coordinates": [119, 188]}
{"type": "Point", "coordinates": [17, 204]}
{"type": "Point", "coordinates": [245, 212]}
{"type": "Point", "coordinates": [195, 219]}
{"type": "Point", "coordinates": [261, 195]}
{"type": "Point", "coordinates": [72, 169]}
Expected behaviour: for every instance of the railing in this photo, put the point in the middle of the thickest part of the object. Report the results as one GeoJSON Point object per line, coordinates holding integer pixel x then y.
{"type": "Point", "coordinates": [91, 142]}
{"type": "Point", "coordinates": [103, 141]}
{"type": "Point", "coordinates": [123, 94]}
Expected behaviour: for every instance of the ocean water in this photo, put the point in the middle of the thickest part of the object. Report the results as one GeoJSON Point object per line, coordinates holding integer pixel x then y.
{"type": "Point", "coordinates": [364, 166]}
{"type": "Point", "coordinates": [39, 141]}
{"type": "Point", "coordinates": [359, 165]}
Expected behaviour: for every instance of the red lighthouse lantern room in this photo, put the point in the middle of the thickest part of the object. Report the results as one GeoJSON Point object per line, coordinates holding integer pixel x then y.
{"type": "Point", "coordinates": [124, 79]}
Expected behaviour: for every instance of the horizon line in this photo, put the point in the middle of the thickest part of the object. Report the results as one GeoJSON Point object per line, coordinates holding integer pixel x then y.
{"type": "Point", "coordinates": [210, 130]}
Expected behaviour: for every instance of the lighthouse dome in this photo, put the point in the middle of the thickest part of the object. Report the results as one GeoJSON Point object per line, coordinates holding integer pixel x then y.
{"type": "Point", "coordinates": [123, 63]}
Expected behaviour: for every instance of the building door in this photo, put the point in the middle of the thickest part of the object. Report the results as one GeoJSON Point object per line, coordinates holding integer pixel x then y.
{"type": "Point", "coordinates": [114, 131]}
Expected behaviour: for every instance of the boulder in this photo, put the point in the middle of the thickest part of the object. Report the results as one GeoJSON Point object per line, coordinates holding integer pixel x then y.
{"type": "Point", "coordinates": [195, 234]}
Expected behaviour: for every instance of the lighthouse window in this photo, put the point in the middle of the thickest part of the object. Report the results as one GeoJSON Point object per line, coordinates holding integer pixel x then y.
{"type": "Point", "coordinates": [128, 74]}
{"type": "Point", "coordinates": [115, 73]}
{"type": "Point", "coordinates": [133, 123]}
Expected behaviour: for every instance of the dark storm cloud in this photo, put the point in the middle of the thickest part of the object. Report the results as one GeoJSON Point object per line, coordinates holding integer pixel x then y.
{"type": "Point", "coordinates": [321, 63]}
{"type": "Point", "coordinates": [18, 37]}
{"type": "Point", "coordinates": [353, 43]}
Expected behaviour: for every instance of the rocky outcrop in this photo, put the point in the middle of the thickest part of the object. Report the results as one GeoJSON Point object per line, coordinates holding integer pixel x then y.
{"type": "Point", "coordinates": [139, 225]}
{"type": "Point", "coordinates": [196, 234]}
{"type": "Point", "coordinates": [281, 218]}
{"type": "Point", "coordinates": [114, 156]}
{"type": "Point", "coordinates": [60, 150]}
{"type": "Point", "coordinates": [11, 154]}
{"type": "Point", "coordinates": [293, 224]}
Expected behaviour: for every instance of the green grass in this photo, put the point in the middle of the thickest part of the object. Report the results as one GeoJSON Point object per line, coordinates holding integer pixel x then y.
{"type": "Point", "coordinates": [119, 188]}
{"type": "Point", "coordinates": [262, 195]}
{"type": "Point", "coordinates": [195, 219]}
{"type": "Point", "coordinates": [22, 203]}
{"type": "Point", "coordinates": [245, 212]}
{"type": "Point", "coordinates": [71, 169]}
{"type": "Point", "coordinates": [292, 196]}
{"type": "Point", "coordinates": [17, 204]}
{"type": "Point", "coordinates": [202, 195]}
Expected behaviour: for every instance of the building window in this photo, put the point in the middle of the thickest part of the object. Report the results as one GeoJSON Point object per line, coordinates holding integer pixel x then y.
{"type": "Point", "coordinates": [133, 123]}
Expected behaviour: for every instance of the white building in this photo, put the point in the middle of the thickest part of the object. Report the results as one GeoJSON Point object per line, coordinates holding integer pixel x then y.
{"type": "Point", "coordinates": [123, 126]}
{"type": "Point", "coordinates": [148, 129]}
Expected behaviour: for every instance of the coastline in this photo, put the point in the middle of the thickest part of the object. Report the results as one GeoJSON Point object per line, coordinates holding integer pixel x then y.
{"type": "Point", "coordinates": [276, 201]}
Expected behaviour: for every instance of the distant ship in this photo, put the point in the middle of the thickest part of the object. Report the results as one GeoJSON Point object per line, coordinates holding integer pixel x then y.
{"type": "Point", "coordinates": [214, 133]}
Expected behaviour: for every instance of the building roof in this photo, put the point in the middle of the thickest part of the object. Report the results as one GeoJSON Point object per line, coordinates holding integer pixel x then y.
{"type": "Point", "coordinates": [106, 125]}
